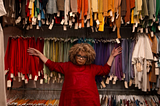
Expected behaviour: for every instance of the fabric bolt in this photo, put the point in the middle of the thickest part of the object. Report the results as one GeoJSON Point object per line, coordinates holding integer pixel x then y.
{"type": "Point", "coordinates": [105, 8]}
{"type": "Point", "coordinates": [100, 15]}
{"type": "Point", "coordinates": [132, 3]}
{"type": "Point", "coordinates": [154, 45]}
{"type": "Point", "coordinates": [60, 5]}
{"type": "Point", "coordinates": [118, 65]}
{"type": "Point", "coordinates": [13, 56]}
{"type": "Point", "coordinates": [52, 7]}
{"type": "Point", "coordinates": [118, 22]}
{"type": "Point", "coordinates": [40, 45]}
{"type": "Point", "coordinates": [124, 8]}
{"type": "Point", "coordinates": [24, 68]}
{"type": "Point", "coordinates": [79, 85]}
{"type": "Point", "coordinates": [151, 9]}
{"type": "Point", "coordinates": [46, 53]}
{"type": "Point", "coordinates": [130, 59]}
{"type": "Point", "coordinates": [98, 59]}
{"type": "Point", "coordinates": [152, 76]}
{"type": "Point", "coordinates": [7, 56]}
{"type": "Point", "coordinates": [144, 8]}
{"type": "Point", "coordinates": [91, 13]}
{"type": "Point", "coordinates": [95, 5]}
{"type": "Point", "coordinates": [66, 10]}
{"type": "Point", "coordinates": [2, 75]}
{"type": "Point", "coordinates": [23, 7]}
{"type": "Point", "coordinates": [141, 51]}
{"type": "Point", "coordinates": [128, 13]}
{"type": "Point", "coordinates": [44, 2]}
{"type": "Point", "coordinates": [88, 12]}
{"type": "Point", "coordinates": [117, 3]}
{"type": "Point", "coordinates": [74, 6]}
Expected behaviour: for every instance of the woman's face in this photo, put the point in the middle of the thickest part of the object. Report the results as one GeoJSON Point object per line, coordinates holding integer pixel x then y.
{"type": "Point", "coordinates": [81, 58]}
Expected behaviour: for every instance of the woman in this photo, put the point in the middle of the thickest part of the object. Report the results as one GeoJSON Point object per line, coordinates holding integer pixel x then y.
{"type": "Point", "coordinates": [79, 87]}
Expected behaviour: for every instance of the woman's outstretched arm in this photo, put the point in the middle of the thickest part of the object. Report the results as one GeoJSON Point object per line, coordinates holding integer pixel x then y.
{"type": "Point", "coordinates": [36, 52]}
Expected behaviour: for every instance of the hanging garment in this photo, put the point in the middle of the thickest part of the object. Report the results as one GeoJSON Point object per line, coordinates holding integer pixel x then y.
{"type": "Point", "coordinates": [2, 75]}
{"type": "Point", "coordinates": [52, 6]}
{"type": "Point", "coordinates": [79, 87]}
{"type": "Point", "coordinates": [60, 5]}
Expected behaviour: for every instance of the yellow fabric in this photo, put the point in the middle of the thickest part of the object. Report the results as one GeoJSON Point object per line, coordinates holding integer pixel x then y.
{"type": "Point", "coordinates": [139, 5]}
{"type": "Point", "coordinates": [132, 17]}
{"type": "Point", "coordinates": [91, 18]}
{"type": "Point", "coordinates": [95, 16]}
{"type": "Point", "coordinates": [101, 25]}
{"type": "Point", "coordinates": [110, 4]}
{"type": "Point", "coordinates": [32, 14]}
{"type": "Point", "coordinates": [95, 5]}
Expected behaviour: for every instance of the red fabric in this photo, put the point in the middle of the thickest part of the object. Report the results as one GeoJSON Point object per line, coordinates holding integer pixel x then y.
{"type": "Point", "coordinates": [27, 9]}
{"type": "Point", "coordinates": [12, 57]}
{"type": "Point", "coordinates": [7, 55]}
{"type": "Point", "coordinates": [40, 45]}
{"type": "Point", "coordinates": [79, 87]}
{"type": "Point", "coordinates": [31, 63]}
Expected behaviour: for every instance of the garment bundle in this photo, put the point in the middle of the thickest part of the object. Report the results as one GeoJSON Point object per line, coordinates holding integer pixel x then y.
{"type": "Point", "coordinates": [39, 98]}
{"type": "Point", "coordinates": [80, 13]}
{"type": "Point", "coordinates": [137, 64]}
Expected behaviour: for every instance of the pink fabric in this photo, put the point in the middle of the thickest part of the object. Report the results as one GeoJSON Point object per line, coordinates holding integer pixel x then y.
{"type": "Point", "coordinates": [79, 87]}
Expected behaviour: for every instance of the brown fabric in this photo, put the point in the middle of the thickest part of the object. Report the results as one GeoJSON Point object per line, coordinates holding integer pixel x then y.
{"type": "Point", "coordinates": [124, 8]}
{"type": "Point", "coordinates": [60, 5]}
{"type": "Point", "coordinates": [148, 83]}
{"type": "Point", "coordinates": [117, 3]}
{"type": "Point", "coordinates": [105, 7]}
{"type": "Point", "coordinates": [132, 4]}
{"type": "Point", "coordinates": [154, 45]}
{"type": "Point", "coordinates": [152, 76]}
{"type": "Point", "coordinates": [74, 5]}
{"type": "Point", "coordinates": [128, 13]}
{"type": "Point", "coordinates": [118, 23]}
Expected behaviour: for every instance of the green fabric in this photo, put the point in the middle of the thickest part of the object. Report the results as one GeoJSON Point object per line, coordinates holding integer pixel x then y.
{"type": "Point", "coordinates": [51, 50]}
{"type": "Point", "coordinates": [135, 9]}
{"type": "Point", "coordinates": [46, 53]}
{"type": "Point", "coordinates": [157, 8]}
{"type": "Point", "coordinates": [151, 9]}
{"type": "Point", "coordinates": [144, 8]}
{"type": "Point", "coordinates": [37, 6]}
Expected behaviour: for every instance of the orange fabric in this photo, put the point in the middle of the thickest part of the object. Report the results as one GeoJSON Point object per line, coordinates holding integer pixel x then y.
{"type": "Point", "coordinates": [132, 4]}
{"type": "Point", "coordinates": [118, 22]}
{"type": "Point", "coordinates": [105, 7]}
{"type": "Point", "coordinates": [117, 3]}
{"type": "Point", "coordinates": [82, 6]}
{"type": "Point", "coordinates": [79, 6]}
{"type": "Point", "coordinates": [128, 13]}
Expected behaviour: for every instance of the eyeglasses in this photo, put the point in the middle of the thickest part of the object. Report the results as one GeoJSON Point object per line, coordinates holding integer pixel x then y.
{"type": "Point", "coordinates": [81, 57]}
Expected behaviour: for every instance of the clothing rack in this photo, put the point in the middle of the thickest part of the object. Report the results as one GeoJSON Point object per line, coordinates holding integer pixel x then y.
{"type": "Point", "coordinates": [101, 91]}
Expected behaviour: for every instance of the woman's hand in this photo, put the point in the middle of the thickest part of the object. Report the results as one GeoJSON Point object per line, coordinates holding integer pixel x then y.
{"type": "Point", "coordinates": [33, 51]}
{"type": "Point", "coordinates": [116, 51]}
{"type": "Point", "coordinates": [36, 52]}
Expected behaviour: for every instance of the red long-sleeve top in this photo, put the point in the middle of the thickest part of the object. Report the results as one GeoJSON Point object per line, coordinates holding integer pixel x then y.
{"type": "Point", "coordinates": [79, 87]}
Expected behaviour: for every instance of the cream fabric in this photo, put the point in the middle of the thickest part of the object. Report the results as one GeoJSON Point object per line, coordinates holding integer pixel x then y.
{"type": "Point", "coordinates": [2, 74]}
{"type": "Point", "coordinates": [142, 53]}
{"type": "Point", "coordinates": [2, 9]}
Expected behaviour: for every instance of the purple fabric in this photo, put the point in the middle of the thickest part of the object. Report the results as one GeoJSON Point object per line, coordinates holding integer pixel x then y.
{"type": "Point", "coordinates": [118, 64]}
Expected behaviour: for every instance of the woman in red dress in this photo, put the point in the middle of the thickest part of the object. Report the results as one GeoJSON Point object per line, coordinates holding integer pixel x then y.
{"type": "Point", "coordinates": [79, 87]}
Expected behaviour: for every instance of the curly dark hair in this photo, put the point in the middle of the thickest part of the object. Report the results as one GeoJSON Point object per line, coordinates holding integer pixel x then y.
{"type": "Point", "coordinates": [84, 47]}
